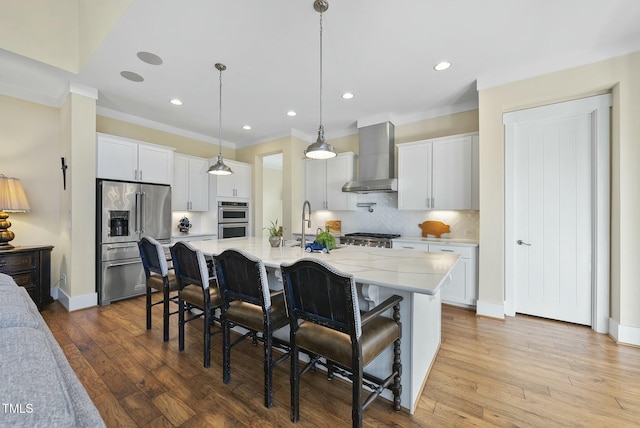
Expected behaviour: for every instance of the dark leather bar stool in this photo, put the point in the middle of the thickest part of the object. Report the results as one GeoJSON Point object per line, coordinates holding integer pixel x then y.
{"type": "Point", "coordinates": [159, 277]}
{"type": "Point", "coordinates": [247, 302]}
{"type": "Point", "coordinates": [326, 323]}
{"type": "Point", "coordinates": [195, 290]}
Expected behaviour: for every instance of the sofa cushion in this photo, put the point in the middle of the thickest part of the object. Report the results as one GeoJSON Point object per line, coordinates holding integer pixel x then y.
{"type": "Point", "coordinates": [16, 311]}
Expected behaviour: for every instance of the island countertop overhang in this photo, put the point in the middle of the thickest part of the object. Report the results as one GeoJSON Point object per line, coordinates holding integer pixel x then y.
{"type": "Point", "coordinates": [407, 270]}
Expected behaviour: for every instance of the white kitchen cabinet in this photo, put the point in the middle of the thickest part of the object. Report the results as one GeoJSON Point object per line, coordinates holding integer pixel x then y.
{"type": "Point", "coordinates": [475, 172]}
{"type": "Point", "coordinates": [315, 183]}
{"type": "Point", "coordinates": [410, 245]}
{"type": "Point", "coordinates": [436, 174]}
{"type": "Point", "coordinates": [323, 181]}
{"type": "Point", "coordinates": [462, 288]}
{"type": "Point", "coordinates": [236, 185]}
{"type": "Point", "coordinates": [190, 188]}
{"type": "Point", "coordinates": [120, 158]}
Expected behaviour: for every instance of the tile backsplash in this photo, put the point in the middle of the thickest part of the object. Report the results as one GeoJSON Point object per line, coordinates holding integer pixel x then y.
{"type": "Point", "coordinates": [386, 218]}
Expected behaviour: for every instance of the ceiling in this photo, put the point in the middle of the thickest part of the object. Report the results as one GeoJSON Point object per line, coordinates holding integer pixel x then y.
{"type": "Point", "coordinates": [382, 51]}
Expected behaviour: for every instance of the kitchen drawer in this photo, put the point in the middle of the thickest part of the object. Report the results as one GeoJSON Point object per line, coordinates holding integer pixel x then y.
{"type": "Point", "coordinates": [465, 252]}
{"type": "Point", "coordinates": [410, 245]}
{"type": "Point", "coordinates": [17, 262]}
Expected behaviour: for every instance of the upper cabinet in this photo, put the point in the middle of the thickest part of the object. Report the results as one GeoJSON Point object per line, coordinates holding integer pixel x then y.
{"type": "Point", "coordinates": [129, 160]}
{"type": "Point", "coordinates": [190, 188]}
{"type": "Point", "coordinates": [236, 185]}
{"type": "Point", "coordinates": [438, 174]}
{"type": "Point", "coordinates": [323, 181]}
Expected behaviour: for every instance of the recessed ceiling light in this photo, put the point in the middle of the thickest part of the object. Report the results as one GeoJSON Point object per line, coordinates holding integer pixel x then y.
{"type": "Point", "coordinates": [130, 75]}
{"type": "Point", "coordinates": [149, 58]}
{"type": "Point", "coordinates": [175, 102]}
{"type": "Point", "coordinates": [347, 95]}
{"type": "Point", "coordinates": [442, 66]}
{"type": "Point", "coordinates": [291, 113]}
{"type": "Point", "coordinates": [246, 127]}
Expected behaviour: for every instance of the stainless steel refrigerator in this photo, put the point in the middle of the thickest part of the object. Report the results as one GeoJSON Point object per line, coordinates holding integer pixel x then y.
{"type": "Point", "coordinates": [125, 213]}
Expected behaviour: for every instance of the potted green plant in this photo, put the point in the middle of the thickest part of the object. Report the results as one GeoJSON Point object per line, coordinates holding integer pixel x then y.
{"type": "Point", "coordinates": [275, 234]}
{"type": "Point", "coordinates": [326, 239]}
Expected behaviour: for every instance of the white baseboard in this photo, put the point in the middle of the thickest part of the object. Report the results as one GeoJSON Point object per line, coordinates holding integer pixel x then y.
{"type": "Point", "coordinates": [491, 310]}
{"type": "Point", "coordinates": [623, 333]}
{"type": "Point", "coordinates": [75, 303]}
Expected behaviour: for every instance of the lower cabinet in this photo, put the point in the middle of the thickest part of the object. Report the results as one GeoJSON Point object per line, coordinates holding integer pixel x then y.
{"type": "Point", "coordinates": [30, 267]}
{"type": "Point", "coordinates": [190, 238]}
{"type": "Point", "coordinates": [462, 288]}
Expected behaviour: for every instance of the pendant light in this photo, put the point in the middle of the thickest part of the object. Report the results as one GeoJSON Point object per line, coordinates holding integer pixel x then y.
{"type": "Point", "coordinates": [219, 168]}
{"type": "Point", "coordinates": [320, 149]}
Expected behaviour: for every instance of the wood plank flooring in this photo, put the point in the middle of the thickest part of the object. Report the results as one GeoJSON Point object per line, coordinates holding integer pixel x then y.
{"type": "Point", "coordinates": [524, 372]}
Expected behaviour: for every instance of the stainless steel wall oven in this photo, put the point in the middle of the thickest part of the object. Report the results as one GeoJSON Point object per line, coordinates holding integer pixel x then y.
{"type": "Point", "coordinates": [233, 219]}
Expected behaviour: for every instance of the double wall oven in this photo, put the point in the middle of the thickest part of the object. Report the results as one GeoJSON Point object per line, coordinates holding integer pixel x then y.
{"type": "Point", "coordinates": [233, 219]}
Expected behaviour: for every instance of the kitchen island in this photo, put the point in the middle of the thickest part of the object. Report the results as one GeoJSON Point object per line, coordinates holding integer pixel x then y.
{"type": "Point", "coordinates": [417, 276]}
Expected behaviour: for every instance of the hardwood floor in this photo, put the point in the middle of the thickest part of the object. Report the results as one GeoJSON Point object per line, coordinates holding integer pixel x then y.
{"type": "Point", "coordinates": [524, 371]}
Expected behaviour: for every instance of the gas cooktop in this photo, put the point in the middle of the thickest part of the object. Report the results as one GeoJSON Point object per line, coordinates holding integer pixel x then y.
{"type": "Point", "coordinates": [372, 235]}
{"type": "Point", "coordinates": [366, 239]}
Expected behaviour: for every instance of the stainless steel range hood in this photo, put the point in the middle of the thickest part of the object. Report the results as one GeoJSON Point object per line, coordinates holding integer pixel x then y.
{"type": "Point", "coordinates": [376, 160]}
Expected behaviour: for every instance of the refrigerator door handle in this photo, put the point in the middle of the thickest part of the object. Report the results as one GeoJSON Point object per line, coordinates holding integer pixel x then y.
{"type": "Point", "coordinates": [142, 210]}
{"type": "Point", "coordinates": [136, 213]}
{"type": "Point", "coordinates": [114, 264]}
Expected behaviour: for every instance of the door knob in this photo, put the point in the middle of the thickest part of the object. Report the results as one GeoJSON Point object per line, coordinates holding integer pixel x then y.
{"type": "Point", "coordinates": [521, 242]}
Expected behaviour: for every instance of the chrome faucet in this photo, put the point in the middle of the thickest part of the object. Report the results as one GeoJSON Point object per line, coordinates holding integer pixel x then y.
{"type": "Point", "coordinates": [308, 220]}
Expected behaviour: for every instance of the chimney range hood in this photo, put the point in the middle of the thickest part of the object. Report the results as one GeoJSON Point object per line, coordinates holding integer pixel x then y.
{"type": "Point", "coordinates": [376, 160]}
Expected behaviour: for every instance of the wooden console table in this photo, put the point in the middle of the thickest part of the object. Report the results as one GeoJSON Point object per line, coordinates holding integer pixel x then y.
{"type": "Point", "coordinates": [30, 268]}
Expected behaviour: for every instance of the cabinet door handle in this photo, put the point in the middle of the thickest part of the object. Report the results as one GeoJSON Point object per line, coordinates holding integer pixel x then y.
{"type": "Point", "coordinates": [140, 175]}
{"type": "Point", "coordinates": [447, 251]}
{"type": "Point", "coordinates": [409, 248]}
{"type": "Point", "coordinates": [521, 242]}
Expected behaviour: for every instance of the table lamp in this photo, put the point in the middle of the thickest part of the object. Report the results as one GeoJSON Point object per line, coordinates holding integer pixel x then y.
{"type": "Point", "coordinates": [13, 200]}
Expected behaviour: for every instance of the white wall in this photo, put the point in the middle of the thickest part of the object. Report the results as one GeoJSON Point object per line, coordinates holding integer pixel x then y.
{"type": "Point", "coordinates": [617, 75]}
{"type": "Point", "coordinates": [272, 198]}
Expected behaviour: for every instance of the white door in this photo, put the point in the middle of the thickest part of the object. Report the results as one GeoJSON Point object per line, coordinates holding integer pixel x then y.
{"type": "Point", "coordinates": [551, 210]}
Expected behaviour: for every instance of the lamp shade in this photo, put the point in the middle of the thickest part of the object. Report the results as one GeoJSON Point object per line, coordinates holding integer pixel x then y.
{"type": "Point", "coordinates": [12, 196]}
{"type": "Point", "coordinates": [320, 149]}
{"type": "Point", "coordinates": [219, 168]}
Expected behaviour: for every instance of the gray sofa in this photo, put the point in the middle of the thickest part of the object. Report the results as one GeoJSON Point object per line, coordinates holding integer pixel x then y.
{"type": "Point", "coordinates": [38, 388]}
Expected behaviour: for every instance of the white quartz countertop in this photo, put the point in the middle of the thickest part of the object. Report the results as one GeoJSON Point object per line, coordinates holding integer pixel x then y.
{"type": "Point", "coordinates": [457, 241]}
{"type": "Point", "coordinates": [194, 235]}
{"type": "Point", "coordinates": [408, 270]}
